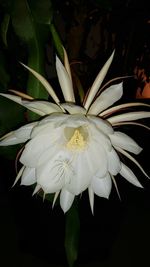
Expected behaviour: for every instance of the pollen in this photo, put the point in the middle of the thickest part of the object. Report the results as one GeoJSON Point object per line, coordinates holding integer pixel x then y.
{"type": "Point", "coordinates": [77, 141]}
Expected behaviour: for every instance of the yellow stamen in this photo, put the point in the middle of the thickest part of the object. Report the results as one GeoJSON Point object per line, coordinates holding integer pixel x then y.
{"type": "Point", "coordinates": [77, 141]}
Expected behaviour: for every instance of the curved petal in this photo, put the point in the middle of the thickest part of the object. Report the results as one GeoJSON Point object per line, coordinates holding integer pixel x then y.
{"type": "Point", "coordinates": [129, 116]}
{"type": "Point", "coordinates": [97, 160]}
{"type": "Point", "coordinates": [106, 99]}
{"type": "Point", "coordinates": [21, 135]}
{"type": "Point", "coordinates": [126, 154]}
{"type": "Point", "coordinates": [44, 107]}
{"type": "Point", "coordinates": [129, 175]}
{"type": "Point", "coordinates": [35, 148]}
{"type": "Point", "coordinates": [65, 81]}
{"type": "Point", "coordinates": [16, 99]}
{"type": "Point", "coordinates": [91, 198]}
{"type": "Point", "coordinates": [114, 164]}
{"type": "Point", "coordinates": [28, 176]}
{"type": "Point", "coordinates": [102, 186]}
{"type": "Point", "coordinates": [66, 200]}
{"type": "Point", "coordinates": [55, 173]}
{"type": "Point", "coordinates": [81, 176]}
{"type": "Point", "coordinates": [73, 109]}
{"type": "Point", "coordinates": [66, 64]}
{"type": "Point", "coordinates": [122, 106]}
{"type": "Point", "coordinates": [122, 140]}
{"type": "Point", "coordinates": [44, 82]}
{"type": "Point", "coordinates": [98, 81]}
{"type": "Point", "coordinates": [39, 107]}
{"type": "Point", "coordinates": [101, 124]}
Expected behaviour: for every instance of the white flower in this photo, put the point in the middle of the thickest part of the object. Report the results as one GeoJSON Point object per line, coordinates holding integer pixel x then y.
{"type": "Point", "coordinates": [74, 148]}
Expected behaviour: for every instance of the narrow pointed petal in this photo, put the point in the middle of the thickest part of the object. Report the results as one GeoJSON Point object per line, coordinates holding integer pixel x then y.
{"type": "Point", "coordinates": [66, 200]}
{"type": "Point", "coordinates": [122, 106]}
{"type": "Point", "coordinates": [44, 107]}
{"type": "Point", "coordinates": [122, 140]}
{"type": "Point", "coordinates": [25, 104]}
{"type": "Point", "coordinates": [18, 175]}
{"type": "Point", "coordinates": [106, 99]}
{"type": "Point", "coordinates": [98, 81]}
{"type": "Point", "coordinates": [132, 123]}
{"type": "Point", "coordinates": [129, 116]}
{"type": "Point", "coordinates": [125, 153]}
{"type": "Point", "coordinates": [91, 198]}
{"type": "Point", "coordinates": [44, 82]}
{"type": "Point", "coordinates": [36, 189]}
{"type": "Point", "coordinates": [66, 64]}
{"type": "Point", "coordinates": [10, 139]}
{"type": "Point", "coordinates": [129, 175]}
{"type": "Point", "coordinates": [28, 177]}
{"type": "Point", "coordinates": [65, 81]}
{"type": "Point", "coordinates": [21, 94]}
{"type": "Point", "coordinates": [116, 187]}
{"type": "Point", "coordinates": [16, 99]}
{"type": "Point", "coordinates": [19, 136]}
{"type": "Point", "coordinates": [55, 198]}
{"type": "Point", "coordinates": [102, 186]}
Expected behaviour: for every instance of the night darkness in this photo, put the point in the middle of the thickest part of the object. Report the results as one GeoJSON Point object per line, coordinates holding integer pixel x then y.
{"type": "Point", "coordinates": [31, 232]}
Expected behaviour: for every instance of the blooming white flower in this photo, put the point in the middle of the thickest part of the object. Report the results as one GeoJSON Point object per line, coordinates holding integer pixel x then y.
{"type": "Point", "coordinates": [74, 148]}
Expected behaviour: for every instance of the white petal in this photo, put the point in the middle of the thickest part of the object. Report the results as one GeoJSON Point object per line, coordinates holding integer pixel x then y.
{"type": "Point", "coordinates": [52, 175]}
{"type": "Point", "coordinates": [81, 176]}
{"type": "Point", "coordinates": [73, 109]}
{"type": "Point", "coordinates": [129, 116]}
{"type": "Point", "coordinates": [36, 189]}
{"type": "Point", "coordinates": [106, 99]}
{"type": "Point", "coordinates": [66, 200]}
{"type": "Point", "coordinates": [10, 139]}
{"type": "Point", "coordinates": [19, 136]}
{"type": "Point", "coordinates": [39, 107]}
{"type": "Point", "coordinates": [122, 106]}
{"type": "Point", "coordinates": [97, 160]}
{"type": "Point", "coordinates": [66, 64]}
{"type": "Point", "coordinates": [129, 175]}
{"type": "Point", "coordinates": [102, 186]}
{"type": "Point", "coordinates": [35, 148]}
{"type": "Point", "coordinates": [44, 82]}
{"type": "Point", "coordinates": [65, 81]}
{"type": "Point", "coordinates": [125, 153]}
{"type": "Point", "coordinates": [91, 198]}
{"type": "Point", "coordinates": [14, 98]}
{"type": "Point", "coordinates": [114, 164]}
{"type": "Point", "coordinates": [100, 138]}
{"type": "Point", "coordinates": [28, 176]}
{"type": "Point", "coordinates": [122, 140]}
{"type": "Point", "coordinates": [98, 81]}
{"type": "Point", "coordinates": [101, 124]}
{"type": "Point", "coordinates": [19, 175]}
{"type": "Point", "coordinates": [44, 107]}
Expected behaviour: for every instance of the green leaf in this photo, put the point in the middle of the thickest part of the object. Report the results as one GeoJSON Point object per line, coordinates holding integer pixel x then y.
{"type": "Point", "coordinates": [42, 11]}
{"type": "Point", "coordinates": [27, 30]}
{"type": "Point", "coordinates": [72, 233]}
{"type": "Point", "coordinates": [4, 28]}
{"type": "Point", "coordinates": [57, 42]}
{"type": "Point", "coordinates": [4, 76]}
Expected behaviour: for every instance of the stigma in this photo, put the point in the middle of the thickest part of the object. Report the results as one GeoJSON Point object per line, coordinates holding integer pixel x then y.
{"type": "Point", "coordinates": [76, 141]}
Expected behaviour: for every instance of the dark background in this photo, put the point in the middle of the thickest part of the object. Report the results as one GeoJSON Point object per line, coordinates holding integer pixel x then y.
{"type": "Point", "coordinates": [31, 233]}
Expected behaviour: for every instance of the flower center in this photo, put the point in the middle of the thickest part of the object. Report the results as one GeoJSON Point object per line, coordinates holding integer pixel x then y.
{"type": "Point", "coordinates": [77, 141]}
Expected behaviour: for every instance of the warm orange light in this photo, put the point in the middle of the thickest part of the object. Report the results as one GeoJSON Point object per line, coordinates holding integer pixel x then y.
{"type": "Point", "coordinates": [145, 92]}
